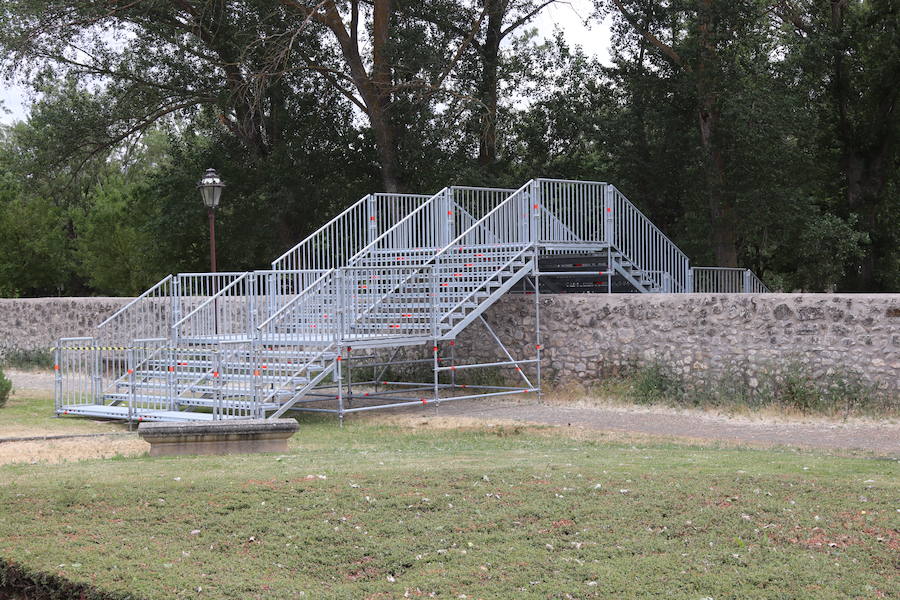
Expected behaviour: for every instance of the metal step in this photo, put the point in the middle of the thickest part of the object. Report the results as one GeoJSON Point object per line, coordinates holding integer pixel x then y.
{"type": "Point", "coordinates": [121, 412]}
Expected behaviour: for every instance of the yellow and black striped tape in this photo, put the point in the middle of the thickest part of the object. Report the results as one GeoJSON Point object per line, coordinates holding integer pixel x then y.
{"type": "Point", "coordinates": [119, 348]}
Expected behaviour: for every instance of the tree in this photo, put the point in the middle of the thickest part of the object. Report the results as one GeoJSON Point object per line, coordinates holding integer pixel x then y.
{"type": "Point", "coordinates": [704, 38]}
{"type": "Point", "coordinates": [847, 54]}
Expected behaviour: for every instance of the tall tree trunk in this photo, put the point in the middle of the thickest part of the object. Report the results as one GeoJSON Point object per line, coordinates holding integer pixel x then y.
{"type": "Point", "coordinates": [384, 129]}
{"type": "Point", "coordinates": [380, 108]}
{"type": "Point", "coordinates": [487, 148]}
{"type": "Point", "coordinates": [865, 158]}
{"type": "Point", "coordinates": [865, 181]}
{"type": "Point", "coordinates": [374, 89]}
{"type": "Point", "coordinates": [721, 209]}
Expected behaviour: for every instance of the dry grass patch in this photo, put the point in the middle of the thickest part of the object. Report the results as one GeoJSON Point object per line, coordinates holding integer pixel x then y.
{"type": "Point", "coordinates": [73, 449]}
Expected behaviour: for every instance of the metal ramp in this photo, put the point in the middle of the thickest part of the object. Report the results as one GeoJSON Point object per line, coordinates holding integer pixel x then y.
{"type": "Point", "coordinates": [364, 313]}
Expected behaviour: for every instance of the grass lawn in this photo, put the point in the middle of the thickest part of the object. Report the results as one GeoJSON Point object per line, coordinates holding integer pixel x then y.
{"type": "Point", "coordinates": [374, 511]}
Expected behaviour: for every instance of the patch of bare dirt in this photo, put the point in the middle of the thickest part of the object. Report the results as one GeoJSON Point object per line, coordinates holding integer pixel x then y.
{"type": "Point", "coordinates": [34, 384]}
{"type": "Point", "coordinates": [854, 434]}
{"type": "Point", "coordinates": [63, 450]}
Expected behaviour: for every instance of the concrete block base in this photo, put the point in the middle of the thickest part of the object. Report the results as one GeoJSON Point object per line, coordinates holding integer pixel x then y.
{"type": "Point", "coordinates": [218, 437]}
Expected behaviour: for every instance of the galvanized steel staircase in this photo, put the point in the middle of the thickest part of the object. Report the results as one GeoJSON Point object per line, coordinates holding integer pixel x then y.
{"type": "Point", "coordinates": [392, 270]}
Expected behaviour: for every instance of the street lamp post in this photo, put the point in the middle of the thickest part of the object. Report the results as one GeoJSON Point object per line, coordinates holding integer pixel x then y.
{"type": "Point", "coordinates": [210, 187]}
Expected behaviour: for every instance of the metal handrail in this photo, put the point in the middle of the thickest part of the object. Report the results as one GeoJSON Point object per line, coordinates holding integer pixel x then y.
{"type": "Point", "coordinates": [724, 280]}
{"type": "Point", "coordinates": [662, 250]}
{"type": "Point", "coordinates": [305, 367]}
{"type": "Point", "coordinates": [211, 299]}
{"type": "Point", "coordinates": [652, 225]}
{"type": "Point", "coordinates": [319, 231]}
{"type": "Point", "coordinates": [479, 222]}
{"type": "Point", "coordinates": [144, 295]}
{"type": "Point", "coordinates": [484, 282]}
{"type": "Point", "coordinates": [307, 290]}
{"type": "Point", "coordinates": [396, 227]}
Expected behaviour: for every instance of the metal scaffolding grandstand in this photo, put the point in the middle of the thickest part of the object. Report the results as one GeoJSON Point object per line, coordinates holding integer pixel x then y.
{"type": "Point", "coordinates": [365, 312]}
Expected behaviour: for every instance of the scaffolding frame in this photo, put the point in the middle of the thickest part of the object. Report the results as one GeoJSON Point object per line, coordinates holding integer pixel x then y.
{"type": "Point", "coordinates": [391, 272]}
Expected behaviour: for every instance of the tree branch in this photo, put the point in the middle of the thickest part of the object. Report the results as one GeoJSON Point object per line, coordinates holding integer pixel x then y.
{"type": "Point", "coordinates": [667, 50]}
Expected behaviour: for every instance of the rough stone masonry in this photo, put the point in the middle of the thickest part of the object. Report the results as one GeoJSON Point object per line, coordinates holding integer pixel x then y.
{"type": "Point", "coordinates": [589, 336]}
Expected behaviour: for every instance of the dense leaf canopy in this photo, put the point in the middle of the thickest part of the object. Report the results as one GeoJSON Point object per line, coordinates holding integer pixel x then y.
{"type": "Point", "coordinates": [755, 133]}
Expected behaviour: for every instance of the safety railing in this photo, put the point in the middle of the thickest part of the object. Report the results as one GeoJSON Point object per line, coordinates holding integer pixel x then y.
{"type": "Point", "coordinates": [572, 211]}
{"type": "Point", "coordinates": [152, 314]}
{"type": "Point", "coordinates": [580, 212]}
{"type": "Point", "coordinates": [76, 372]}
{"type": "Point", "coordinates": [412, 239]}
{"type": "Point", "coordinates": [483, 252]}
{"type": "Point", "coordinates": [147, 316]}
{"type": "Point", "coordinates": [346, 234]}
{"type": "Point", "coordinates": [642, 243]}
{"type": "Point", "coordinates": [235, 310]}
{"type": "Point", "coordinates": [727, 280]}
{"type": "Point", "coordinates": [312, 316]}
{"type": "Point", "coordinates": [452, 273]}
{"type": "Point", "coordinates": [469, 204]}
{"type": "Point", "coordinates": [387, 301]}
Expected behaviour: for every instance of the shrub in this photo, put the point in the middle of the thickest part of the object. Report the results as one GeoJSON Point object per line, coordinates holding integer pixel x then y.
{"type": "Point", "coordinates": [5, 389]}
{"type": "Point", "coordinates": [36, 358]}
{"type": "Point", "coordinates": [656, 383]}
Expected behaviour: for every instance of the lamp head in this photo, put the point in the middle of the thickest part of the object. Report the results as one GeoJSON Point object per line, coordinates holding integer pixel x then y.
{"type": "Point", "coordinates": [210, 187]}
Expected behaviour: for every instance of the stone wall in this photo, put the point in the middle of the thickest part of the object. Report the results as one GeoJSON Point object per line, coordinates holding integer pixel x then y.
{"type": "Point", "coordinates": [589, 336]}
{"type": "Point", "coordinates": [36, 323]}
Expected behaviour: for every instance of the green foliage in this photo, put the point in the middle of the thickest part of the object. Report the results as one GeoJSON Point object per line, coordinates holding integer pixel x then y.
{"type": "Point", "coordinates": [36, 358]}
{"type": "Point", "coordinates": [790, 387]}
{"type": "Point", "coordinates": [656, 384]}
{"type": "Point", "coordinates": [35, 253]}
{"type": "Point", "coordinates": [5, 388]}
{"type": "Point", "coordinates": [798, 167]}
{"type": "Point", "coordinates": [114, 250]}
